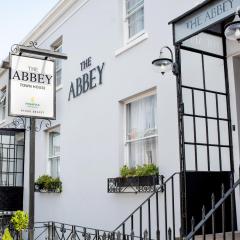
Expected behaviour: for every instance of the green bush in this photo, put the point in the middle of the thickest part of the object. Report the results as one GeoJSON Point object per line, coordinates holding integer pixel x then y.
{"type": "Point", "coordinates": [125, 171]}
{"type": "Point", "coordinates": [145, 170]}
{"type": "Point", "coordinates": [7, 235]}
{"type": "Point", "coordinates": [20, 221]}
{"type": "Point", "coordinates": [46, 182]}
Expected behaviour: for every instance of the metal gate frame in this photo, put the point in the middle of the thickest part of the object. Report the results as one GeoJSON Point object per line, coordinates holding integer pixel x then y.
{"type": "Point", "coordinates": [181, 114]}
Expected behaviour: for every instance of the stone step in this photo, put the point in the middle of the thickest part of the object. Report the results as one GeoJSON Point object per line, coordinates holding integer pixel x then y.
{"type": "Point", "coordinates": [219, 236]}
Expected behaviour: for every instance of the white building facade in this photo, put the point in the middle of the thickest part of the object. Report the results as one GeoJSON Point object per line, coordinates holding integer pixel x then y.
{"type": "Point", "coordinates": [114, 108]}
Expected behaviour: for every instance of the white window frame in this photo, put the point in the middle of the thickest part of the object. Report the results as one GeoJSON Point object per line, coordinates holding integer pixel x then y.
{"type": "Point", "coordinates": [126, 141]}
{"type": "Point", "coordinates": [3, 103]}
{"type": "Point", "coordinates": [127, 38]}
{"type": "Point", "coordinates": [55, 47]}
{"type": "Point", "coordinates": [53, 129]}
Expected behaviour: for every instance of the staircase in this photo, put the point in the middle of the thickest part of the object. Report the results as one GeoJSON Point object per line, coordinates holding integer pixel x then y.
{"type": "Point", "coordinates": [209, 219]}
{"type": "Point", "coordinates": [219, 236]}
{"type": "Point", "coordinates": [156, 214]}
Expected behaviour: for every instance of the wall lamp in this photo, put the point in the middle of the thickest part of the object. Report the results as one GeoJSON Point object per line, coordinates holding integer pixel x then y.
{"type": "Point", "coordinates": [232, 29]}
{"type": "Point", "coordinates": [165, 62]}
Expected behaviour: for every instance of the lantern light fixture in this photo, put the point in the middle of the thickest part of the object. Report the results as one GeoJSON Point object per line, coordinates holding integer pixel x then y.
{"type": "Point", "coordinates": [232, 29]}
{"type": "Point", "coordinates": [165, 62]}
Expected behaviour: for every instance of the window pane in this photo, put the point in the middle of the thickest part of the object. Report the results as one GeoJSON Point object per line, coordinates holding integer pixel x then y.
{"type": "Point", "coordinates": [2, 104]}
{"type": "Point", "coordinates": [4, 166]}
{"type": "Point", "coordinates": [54, 152]}
{"type": "Point", "coordinates": [141, 118]}
{"type": "Point", "coordinates": [58, 65]}
{"type": "Point", "coordinates": [3, 179]}
{"type": "Point", "coordinates": [133, 4]}
{"type": "Point", "coordinates": [54, 144]}
{"type": "Point", "coordinates": [136, 22]}
{"type": "Point", "coordinates": [19, 179]}
{"type": "Point", "coordinates": [143, 152]}
{"type": "Point", "coordinates": [58, 77]}
{"type": "Point", "coordinates": [54, 166]}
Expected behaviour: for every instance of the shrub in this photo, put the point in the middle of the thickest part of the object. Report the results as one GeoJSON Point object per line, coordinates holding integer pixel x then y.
{"type": "Point", "coordinates": [49, 183]}
{"type": "Point", "coordinates": [7, 235]}
{"type": "Point", "coordinates": [20, 221]}
{"type": "Point", "coordinates": [145, 170]}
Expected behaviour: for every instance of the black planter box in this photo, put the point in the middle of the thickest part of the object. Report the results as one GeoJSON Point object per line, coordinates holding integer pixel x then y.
{"type": "Point", "coordinates": [41, 189]}
{"type": "Point", "coordinates": [137, 181]}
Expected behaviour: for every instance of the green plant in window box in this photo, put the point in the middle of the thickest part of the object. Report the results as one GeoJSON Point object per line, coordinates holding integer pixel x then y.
{"type": "Point", "coordinates": [125, 171]}
{"type": "Point", "coordinates": [20, 222]}
{"type": "Point", "coordinates": [145, 175]}
{"type": "Point", "coordinates": [46, 183]}
{"type": "Point", "coordinates": [147, 170]}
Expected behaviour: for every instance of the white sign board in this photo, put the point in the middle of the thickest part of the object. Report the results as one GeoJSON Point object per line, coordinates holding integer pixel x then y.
{"type": "Point", "coordinates": [31, 88]}
{"type": "Point", "coordinates": [202, 18]}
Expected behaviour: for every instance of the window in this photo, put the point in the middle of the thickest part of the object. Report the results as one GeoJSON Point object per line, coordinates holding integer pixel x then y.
{"type": "Point", "coordinates": [134, 17]}
{"type": "Point", "coordinates": [141, 131]}
{"type": "Point", "coordinates": [3, 104]}
{"type": "Point", "coordinates": [11, 158]}
{"type": "Point", "coordinates": [57, 47]}
{"type": "Point", "coordinates": [54, 152]}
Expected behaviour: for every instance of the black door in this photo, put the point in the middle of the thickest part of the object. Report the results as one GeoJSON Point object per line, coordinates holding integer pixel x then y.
{"type": "Point", "coordinates": [12, 145]}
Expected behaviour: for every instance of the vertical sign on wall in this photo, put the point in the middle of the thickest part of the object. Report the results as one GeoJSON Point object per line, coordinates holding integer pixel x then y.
{"type": "Point", "coordinates": [31, 88]}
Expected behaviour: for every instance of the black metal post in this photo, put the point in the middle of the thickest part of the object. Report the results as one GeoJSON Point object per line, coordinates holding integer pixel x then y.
{"type": "Point", "coordinates": [31, 178]}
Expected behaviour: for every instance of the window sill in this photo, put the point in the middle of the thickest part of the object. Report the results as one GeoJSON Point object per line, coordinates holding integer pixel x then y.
{"type": "Point", "coordinates": [58, 88]}
{"type": "Point", "coordinates": [131, 43]}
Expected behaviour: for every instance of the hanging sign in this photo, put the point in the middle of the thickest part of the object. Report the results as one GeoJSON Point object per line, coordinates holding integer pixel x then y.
{"type": "Point", "coordinates": [203, 17]}
{"type": "Point", "coordinates": [31, 87]}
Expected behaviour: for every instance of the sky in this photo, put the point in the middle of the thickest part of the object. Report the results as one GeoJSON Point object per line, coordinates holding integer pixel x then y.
{"type": "Point", "coordinates": [18, 18]}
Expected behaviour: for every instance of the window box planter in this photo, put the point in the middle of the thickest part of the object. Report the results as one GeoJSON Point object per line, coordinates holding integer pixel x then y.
{"type": "Point", "coordinates": [41, 189]}
{"type": "Point", "coordinates": [137, 181]}
{"type": "Point", "coordinates": [134, 184]}
{"type": "Point", "coordinates": [48, 184]}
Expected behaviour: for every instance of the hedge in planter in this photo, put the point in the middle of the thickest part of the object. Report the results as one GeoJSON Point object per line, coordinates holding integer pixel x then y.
{"type": "Point", "coordinates": [47, 183]}
{"type": "Point", "coordinates": [145, 170]}
{"type": "Point", "coordinates": [146, 175]}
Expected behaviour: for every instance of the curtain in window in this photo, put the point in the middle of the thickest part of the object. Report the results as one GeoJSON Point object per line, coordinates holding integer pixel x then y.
{"type": "Point", "coordinates": [142, 131]}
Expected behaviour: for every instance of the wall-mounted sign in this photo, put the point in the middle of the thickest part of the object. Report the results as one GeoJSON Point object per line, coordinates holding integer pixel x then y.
{"type": "Point", "coordinates": [88, 80]}
{"type": "Point", "coordinates": [31, 88]}
{"type": "Point", "coordinates": [204, 17]}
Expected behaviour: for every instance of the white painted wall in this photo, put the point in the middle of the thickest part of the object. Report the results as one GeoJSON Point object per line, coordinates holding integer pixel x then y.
{"type": "Point", "coordinates": [91, 140]}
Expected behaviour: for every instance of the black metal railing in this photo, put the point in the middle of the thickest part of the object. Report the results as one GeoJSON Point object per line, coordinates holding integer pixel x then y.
{"type": "Point", "coordinates": [4, 221]}
{"type": "Point", "coordinates": [63, 231]}
{"type": "Point", "coordinates": [138, 184]}
{"type": "Point", "coordinates": [153, 211]}
{"type": "Point", "coordinates": [209, 225]}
